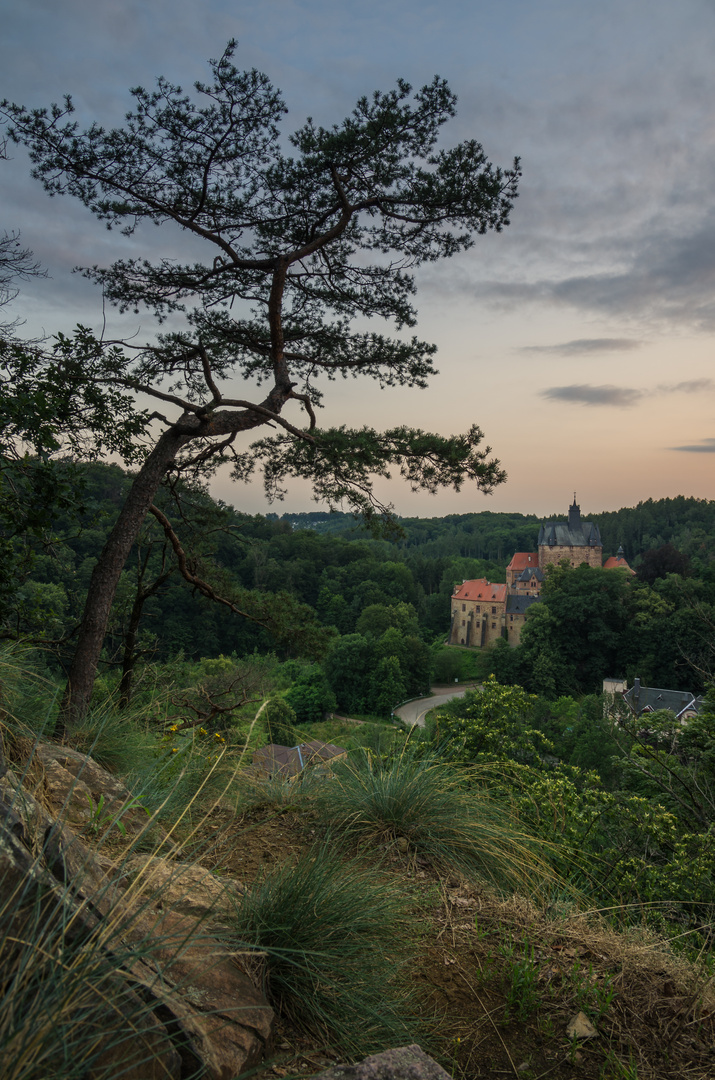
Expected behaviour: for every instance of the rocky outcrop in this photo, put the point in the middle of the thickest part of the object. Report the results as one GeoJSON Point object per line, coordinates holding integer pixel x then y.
{"type": "Point", "coordinates": [191, 890]}
{"type": "Point", "coordinates": [402, 1063]}
{"type": "Point", "coordinates": [171, 998]}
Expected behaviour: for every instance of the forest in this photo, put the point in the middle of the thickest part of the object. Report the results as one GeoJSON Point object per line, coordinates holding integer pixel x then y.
{"type": "Point", "coordinates": [363, 619]}
{"type": "Point", "coordinates": [218, 609]}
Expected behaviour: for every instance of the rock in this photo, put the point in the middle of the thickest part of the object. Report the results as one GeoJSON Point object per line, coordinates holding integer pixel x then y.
{"type": "Point", "coordinates": [31, 818]}
{"type": "Point", "coordinates": [142, 1050]}
{"type": "Point", "coordinates": [580, 1027]}
{"type": "Point", "coordinates": [403, 1063]}
{"type": "Point", "coordinates": [207, 977]}
{"type": "Point", "coordinates": [76, 786]}
{"type": "Point", "coordinates": [184, 1003]}
{"type": "Point", "coordinates": [191, 890]}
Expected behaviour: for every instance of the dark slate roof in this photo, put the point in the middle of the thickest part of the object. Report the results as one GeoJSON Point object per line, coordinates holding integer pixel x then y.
{"type": "Point", "coordinates": [517, 605]}
{"type": "Point", "coordinates": [290, 760]}
{"type": "Point", "coordinates": [574, 533]}
{"type": "Point", "coordinates": [531, 572]}
{"type": "Point", "coordinates": [649, 698]}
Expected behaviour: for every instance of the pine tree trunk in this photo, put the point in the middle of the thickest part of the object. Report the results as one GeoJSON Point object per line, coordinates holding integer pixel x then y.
{"type": "Point", "coordinates": [105, 577]}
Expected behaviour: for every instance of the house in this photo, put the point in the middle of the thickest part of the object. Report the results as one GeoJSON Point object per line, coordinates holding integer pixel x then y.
{"type": "Point", "coordinates": [288, 761]}
{"type": "Point", "coordinates": [646, 699]}
{"type": "Point", "coordinates": [478, 610]}
{"type": "Point", "coordinates": [482, 612]}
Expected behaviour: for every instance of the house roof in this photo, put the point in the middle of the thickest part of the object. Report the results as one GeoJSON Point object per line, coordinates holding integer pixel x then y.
{"type": "Point", "coordinates": [517, 605]}
{"type": "Point", "coordinates": [531, 572]}
{"type": "Point", "coordinates": [480, 589]}
{"type": "Point", "coordinates": [290, 760]}
{"type": "Point", "coordinates": [616, 562]}
{"type": "Point", "coordinates": [574, 533]}
{"type": "Point", "coordinates": [523, 559]}
{"type": "Point", "coordinates": [649, 698]}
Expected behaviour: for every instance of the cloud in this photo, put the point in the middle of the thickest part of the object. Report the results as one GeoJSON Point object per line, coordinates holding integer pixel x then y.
{"type": "Point", "coordinates": [621, 396]}
{"type": "Point", "coordinates": [585, 346]}
{"type": "Point", "coordinates": [705, 446]}
{"type": "Point", "coordinates": [669, 278]}
{"type": "Point", "coordinates": [691, 386]}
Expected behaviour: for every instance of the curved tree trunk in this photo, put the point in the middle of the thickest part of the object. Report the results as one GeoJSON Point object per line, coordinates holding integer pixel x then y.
{"type": "Point", "coordinates": [106, 574]}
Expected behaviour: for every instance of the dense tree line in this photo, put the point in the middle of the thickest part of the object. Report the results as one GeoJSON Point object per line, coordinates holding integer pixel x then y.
{"type": "Point", "coordinates": [372, 612]}
{"type": "Point", "coordinates": [688, 524]}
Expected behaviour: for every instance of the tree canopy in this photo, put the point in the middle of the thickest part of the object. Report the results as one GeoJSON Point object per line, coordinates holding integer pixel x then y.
{"type": "Point", "coordinates": [297, 247]}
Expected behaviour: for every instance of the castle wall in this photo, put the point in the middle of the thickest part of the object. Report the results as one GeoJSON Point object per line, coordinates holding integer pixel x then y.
{"type": "Point", "coordinates": [478, 609]}
{"type": "Point", "coordinates": [514, 625]}
{"type": "Point", "coordinates": [552, 554]}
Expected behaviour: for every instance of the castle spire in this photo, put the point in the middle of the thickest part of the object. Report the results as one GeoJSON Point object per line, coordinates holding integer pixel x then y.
{"type": "Point", "coordinates": [574, 514]}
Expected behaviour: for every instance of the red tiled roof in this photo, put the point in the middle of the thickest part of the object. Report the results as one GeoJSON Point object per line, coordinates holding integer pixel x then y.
{"type": "Point", "coordinates": [614, 561]}
{"type": "Point", "coordinates": [523, 560]}
{"type": "Point", "coordinates": [480, 589]}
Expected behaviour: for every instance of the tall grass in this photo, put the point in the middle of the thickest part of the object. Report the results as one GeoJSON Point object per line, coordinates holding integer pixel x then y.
{"type": "Point", "coordinates": [69, 1008]}
{"type": "Point", "coordinates": [28, 698]}
{"type": "Point", "coordinates": [332, 932]}
{"type": "Point", "coordinates": [431, 808]}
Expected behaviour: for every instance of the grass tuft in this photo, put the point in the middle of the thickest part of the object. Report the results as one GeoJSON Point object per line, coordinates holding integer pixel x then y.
{"type": "Point", "coordinates": [330, 928]}
{"type": "Point", "coordinates": [430, 808]}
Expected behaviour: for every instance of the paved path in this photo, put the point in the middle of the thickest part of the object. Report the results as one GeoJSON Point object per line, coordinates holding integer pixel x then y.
{"type": "Point", "coordinates": [414, 712]}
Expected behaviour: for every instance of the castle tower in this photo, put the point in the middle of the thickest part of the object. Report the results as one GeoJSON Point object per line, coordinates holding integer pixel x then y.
{"type": "Point", "coordinates": [576, 540]}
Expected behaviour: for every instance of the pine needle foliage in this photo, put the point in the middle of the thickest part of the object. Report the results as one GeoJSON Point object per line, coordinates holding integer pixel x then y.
{"type": "Point", "coordinates": [428, 807]}
{"type": "Point", "coordinates": [330, 927]}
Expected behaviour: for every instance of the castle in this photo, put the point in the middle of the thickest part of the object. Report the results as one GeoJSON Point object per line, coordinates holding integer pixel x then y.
{"type": "Point", "coordinates": [483, 612]}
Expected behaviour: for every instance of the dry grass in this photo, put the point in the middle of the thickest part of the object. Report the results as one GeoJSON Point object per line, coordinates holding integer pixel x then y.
{"type": "Point", "coordinates": [654, 1010]}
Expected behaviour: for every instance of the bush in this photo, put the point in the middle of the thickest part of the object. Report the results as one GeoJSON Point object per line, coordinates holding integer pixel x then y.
{"type": "Point", "coordinates": [280, 720]}
{"type": "Point", "coordinates": [64, 1011]}
{"type": "Point", "coordinates": [330, 928]}
{"type": "Point", "coordinates": [311, 696]}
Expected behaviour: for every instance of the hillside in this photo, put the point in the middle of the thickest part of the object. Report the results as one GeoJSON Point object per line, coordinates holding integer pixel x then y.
{"type": "Point", "coordinates": [394, 900]}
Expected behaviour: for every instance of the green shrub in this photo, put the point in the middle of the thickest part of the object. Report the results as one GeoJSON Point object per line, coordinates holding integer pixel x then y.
{"type": "Point", "coordinates": [330, 928]}
{"type": "Point", "coordinates": [280, 720]}
{"type": "Point", "coordinates": [28, 697]}
{"type": "Point", "coordinates": [117, 740]}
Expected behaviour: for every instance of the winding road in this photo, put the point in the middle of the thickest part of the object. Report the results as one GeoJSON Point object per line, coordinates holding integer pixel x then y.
{"type": "Point", "coordinates": [414, 712]}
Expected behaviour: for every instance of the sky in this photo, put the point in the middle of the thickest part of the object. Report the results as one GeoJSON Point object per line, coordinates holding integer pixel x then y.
{"type": "Point", "coordinates": [581, 339]}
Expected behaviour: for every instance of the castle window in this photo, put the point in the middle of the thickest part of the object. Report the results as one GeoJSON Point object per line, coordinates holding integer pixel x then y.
{"type": "Point", "coordinates": [464, 607]}
{"type": "Point", "coordinates": [494, 611]}
{"type": "Point", "coordinates": [463, 622]}
{"type": "Point", "coordinates": [494, 626]}
{"type": "Point", "coordinates": [477, 608]}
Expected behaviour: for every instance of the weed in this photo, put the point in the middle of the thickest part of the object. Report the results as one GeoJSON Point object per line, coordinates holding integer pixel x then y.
{"type": "Point", "coordinates": [593, 995]}
{"type": "Point", "coordinates": [615, 1069]}
{"type": "Point", "coordinates": [103, 820]}
{"type": "Point", "coordinates": [522, 995]}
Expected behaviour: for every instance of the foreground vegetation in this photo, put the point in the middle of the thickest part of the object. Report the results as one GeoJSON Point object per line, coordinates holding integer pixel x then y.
{"type": "Point", "coordinates": [420, 895]}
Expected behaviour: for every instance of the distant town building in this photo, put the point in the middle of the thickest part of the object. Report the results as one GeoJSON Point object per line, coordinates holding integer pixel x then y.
{"type": "Point", "coordinates": [482, 612]}
{"type": "Point", "coordinates": [647, 699]}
